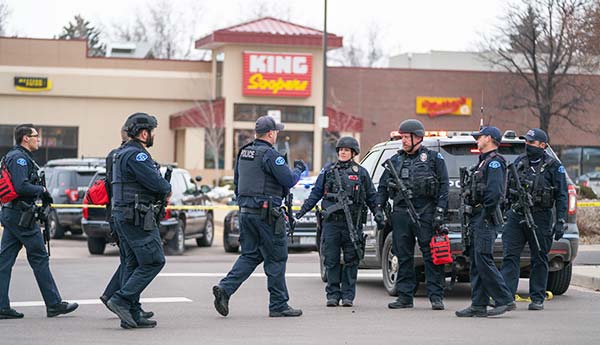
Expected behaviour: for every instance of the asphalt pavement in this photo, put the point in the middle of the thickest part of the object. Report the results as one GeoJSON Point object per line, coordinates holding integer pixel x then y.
{"type": "Point", "coordinates": [182, 300]}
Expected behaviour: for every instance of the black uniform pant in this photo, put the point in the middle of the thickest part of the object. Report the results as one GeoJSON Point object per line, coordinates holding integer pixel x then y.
{"type": "Point", "coordinates": [341, 279]}
{"type": "Point", "coordinates": [266, 243]}
{"type": "Point", "coordinates": [486, 280]}
{"type": "Point", "coordinates": [403, 247]}
{"type": "Point", "coordinates": [14, 237]}
{"type": "Point", "coordinates": [514, 237]}
{"type": "Point", "coordinates": [144, 259]}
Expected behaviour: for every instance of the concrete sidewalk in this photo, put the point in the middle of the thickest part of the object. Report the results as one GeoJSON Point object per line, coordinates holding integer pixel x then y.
{"type": "Point", "coordinates": [586, 269]}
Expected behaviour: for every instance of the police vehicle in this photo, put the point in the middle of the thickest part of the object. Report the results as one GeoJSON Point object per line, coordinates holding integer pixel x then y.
{"type": "Point", "coordinates": [177, 225]}
{"type": "Point", "coordinates": [305, 231]}
{"type": "Point", "coordinates": [460, 149]}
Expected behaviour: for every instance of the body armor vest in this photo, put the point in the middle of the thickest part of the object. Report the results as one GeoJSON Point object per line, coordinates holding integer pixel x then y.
{"type": "Point", "coordinates": [124, 187]}
{"type": "Point", "coordinates": [352, 186]}
{"type": "Point", "coordinates": [536, 181]}
{"type": "Point", "coordinates": [479, 178]}
{"type": "Point", "coordinates": [419, 173]}
{"type": "Point", "coordinates": [253, 181]}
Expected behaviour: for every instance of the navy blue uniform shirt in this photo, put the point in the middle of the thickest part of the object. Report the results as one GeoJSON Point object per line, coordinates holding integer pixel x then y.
{"type": "Point", "coordinates": [19, 163]}
{"type": "Point", "coordinates": [495, 173]}
{"type": "Point", "coordinates": [282, 174]}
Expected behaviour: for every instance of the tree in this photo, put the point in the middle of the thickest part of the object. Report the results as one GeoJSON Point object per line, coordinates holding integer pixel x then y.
{"type": "Point", "coordinates": [81, 29]}
{"type": "Point", "coordinates": [4, 16]}
{"type": "Point", "coordinates": [542, 46]}
{"type": "Point", "coordinates": [362, 50]}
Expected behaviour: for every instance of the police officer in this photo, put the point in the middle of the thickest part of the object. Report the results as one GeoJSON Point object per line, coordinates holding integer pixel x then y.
{"type": "Point", "coordinates": [544, 179]}
{"type": "Point", "coordinates": [423, 172]}
{"type": "Point", "coordinates": [19, 231]}
{"type": "Point", "coordinates": [262, 179]}
{"type": "Point", "coordinates": [115, 282]}
{"type": "Point", "coordinates": [137, 186]}
{"type": "Point", "coordinates": [487, 186]}
{"type": "Point", "coordinates": [358, 187]}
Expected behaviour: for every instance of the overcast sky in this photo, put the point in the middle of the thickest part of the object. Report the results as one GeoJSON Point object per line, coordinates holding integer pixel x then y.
{"type": "Point", "coordinates": [406, 25]}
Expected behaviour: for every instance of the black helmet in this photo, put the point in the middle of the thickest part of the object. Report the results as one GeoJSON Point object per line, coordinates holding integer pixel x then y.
{"type": "Point", "coordinates": [412, 126]}
{"type": "Point", "coordinates": [139, 121]}
{"type": "Point", "coordinates": [348, 142]}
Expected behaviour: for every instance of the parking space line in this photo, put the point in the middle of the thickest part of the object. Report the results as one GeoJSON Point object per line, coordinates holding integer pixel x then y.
{"type": "Point", "coordinates": [97, 301]}
{"type": "Point", "coordinates": [259, 275]}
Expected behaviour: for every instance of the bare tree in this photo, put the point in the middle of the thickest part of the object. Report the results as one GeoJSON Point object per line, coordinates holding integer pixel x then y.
{"type": "Point", "coordinates": [541, 45]}
{"type": "Point", "coordinates": [364, 50]}
{"type": "Point", "coordinates": [265, 8]}
{"type": "Point", "coordinates": [4, 16]}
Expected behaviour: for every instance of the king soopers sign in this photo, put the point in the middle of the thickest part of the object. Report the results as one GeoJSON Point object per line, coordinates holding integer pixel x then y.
{"type": "Point", "coordinates": [277, 74]}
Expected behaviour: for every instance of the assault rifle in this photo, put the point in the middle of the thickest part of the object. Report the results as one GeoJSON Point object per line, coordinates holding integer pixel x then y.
{"type": "Point", "coordinates": [43, 211]}
{"type": "Point", "coordinates": [289, 214]}
{"type": "Point", "coordinates": [523, 204]}
{"type": "Point", "coordinates": [162, 204]}
{"type": "Point", "coordinates": [403, 193]}
{"type": "Point", "coordinates": [343, 202]}
{"type": "Point", "coordinates": [465, 211]}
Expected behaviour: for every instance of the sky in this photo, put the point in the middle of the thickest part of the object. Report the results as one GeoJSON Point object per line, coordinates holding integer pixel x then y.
{"type": "Point", "coordinates": [405, 26]}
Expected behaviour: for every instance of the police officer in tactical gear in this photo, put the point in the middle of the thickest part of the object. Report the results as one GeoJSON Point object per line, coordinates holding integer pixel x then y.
{"type": "Point", "coordinates": [262, 179]}
{"type": "Point", "coordinates": [544, 179]}
{"type": "Point", "coordinates": [487, 191]}
{"type": "Point", "coordinates": [137, 187]}
{"type": "Point", "coordinates": [115, 282]}
{"type": "Point", "coordinates": [22, 230]}
{"type": "Point", "coordinates": [358, 187]}
{"type": "Point", "coordinates": [423, 172]}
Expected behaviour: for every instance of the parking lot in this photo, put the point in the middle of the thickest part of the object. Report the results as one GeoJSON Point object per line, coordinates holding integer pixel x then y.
{"type": "Point", "coordinates": [182, 300]}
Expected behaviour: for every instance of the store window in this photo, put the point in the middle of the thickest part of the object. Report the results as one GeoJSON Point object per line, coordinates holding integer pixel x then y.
{"type": "Point", "coordinates": [298, 144]}
{"type": "Point", "coordinates": [580, 160]}
{"type": "Point", "coordinates": [289, 113]}
{"type": "Point", "coordinates": [56, 142]}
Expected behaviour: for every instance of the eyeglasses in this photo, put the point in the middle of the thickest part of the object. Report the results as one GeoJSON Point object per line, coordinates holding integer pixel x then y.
{"type": "Point", "coordinates": [33, 136]}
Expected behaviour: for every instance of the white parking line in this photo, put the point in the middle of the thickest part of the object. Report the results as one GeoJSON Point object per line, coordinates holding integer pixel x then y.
{"type": "Point", "coordinates": [97, 301]}
{"type": "Point", "coordinates": [260, 275]}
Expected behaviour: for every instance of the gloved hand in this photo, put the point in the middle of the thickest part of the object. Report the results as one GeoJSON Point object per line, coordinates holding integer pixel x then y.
{"type": "Point", "coordinates": [438, 218]}
{"type": "Point", "coordinates": [379, 218]}
{"type": "Point", "coordinates": [46, 197]}
{"type": "Point", "coordinates": [299, 164]}
{"type": "Point", "coordinates": [559, 229]}
{"type": "Point", "coordinates": [443, 229]}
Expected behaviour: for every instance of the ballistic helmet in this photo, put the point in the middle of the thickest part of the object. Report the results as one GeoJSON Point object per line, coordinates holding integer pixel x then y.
{"type": "Point", "coordinates": [348, 142]}
{"type": "Point", "coordinates": [412, 126]}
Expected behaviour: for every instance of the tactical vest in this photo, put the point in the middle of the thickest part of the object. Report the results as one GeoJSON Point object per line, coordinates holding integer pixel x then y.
{"type": "Point", "coordinates": [479, 178]}
{"type": "Point", "coordinates": [351, 184]}
{"type": "Point", "coordinates": [419, 174]}
{"type": "Point", "coordinates": [32, 172]}
{"type": "Point", "coordinates": [252, 179]}
{"type": "Point", "coordinates": [125, 188]}
{"type": "Point", "coordinates": [534, 181]}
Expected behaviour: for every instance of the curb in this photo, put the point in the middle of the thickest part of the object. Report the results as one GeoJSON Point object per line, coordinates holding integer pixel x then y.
{"type": "Point", "coordinates": [587, 277]}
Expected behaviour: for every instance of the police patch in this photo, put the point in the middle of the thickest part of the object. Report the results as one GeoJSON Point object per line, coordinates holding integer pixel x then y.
{"type": "Point", "coordinates": [355, 168]}
{"type": "Point", "coordinates": [440, 156]}
{"type": "Point", "coordinates": [561, 169]}
{"type": "Point", "coordinates": [279, 161]}
{"type": "Point", "coordinates": [423, 157]}
{"type": "Point", "coordinates": [141, 157]}
{"type": "Point", "coordinates": [22, 162]}
{"type": "Point", "coordinates": [494, 164]}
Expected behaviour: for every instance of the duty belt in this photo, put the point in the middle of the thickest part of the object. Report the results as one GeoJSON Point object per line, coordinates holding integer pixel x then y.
{"type": "Point", "coordinates": [250, 210]}
{"type": "Point", "coordinates": [15, 205]}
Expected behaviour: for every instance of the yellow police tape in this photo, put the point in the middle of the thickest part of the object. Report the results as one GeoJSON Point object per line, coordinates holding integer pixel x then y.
{"type": "Point", "coordinates": [518, 298]}
{"type": "Point", "coordinates": [588, 204]}
{"type": "Point", "coordinates": [171, 207]}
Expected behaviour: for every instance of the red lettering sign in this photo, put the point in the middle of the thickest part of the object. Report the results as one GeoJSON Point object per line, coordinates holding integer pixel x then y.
{"type": "Point", "coordinates": [277, 75]}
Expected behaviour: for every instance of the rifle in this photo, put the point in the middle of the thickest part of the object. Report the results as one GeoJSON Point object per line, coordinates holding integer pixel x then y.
{"type": "Point", "coordinates": [466, 210]}
{"type": "Point", "coordinates": [162, 204]}
{"type": "Point", "coordinates": [524, 204]}
{"type": "Point", "coordinates": [404, 194]}
{"type": "Point", "coordinates": [344, 202]}
{"type": "Point", "coordinates": [43, 211]}
{"type": "Point", "coordinates": [290, 216]}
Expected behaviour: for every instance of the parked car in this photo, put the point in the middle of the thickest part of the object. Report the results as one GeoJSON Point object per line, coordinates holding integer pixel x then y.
{"type": "Point", "coordinates": [175, 228]}
{"type": "Point", "coordinates": [305, 231]}
{"type": "Point", "coordinates": [591, 180]}
{"type": "Point", "coordinates": [67, 181]}
{"type": "Point", "coordinates": [458, 151]}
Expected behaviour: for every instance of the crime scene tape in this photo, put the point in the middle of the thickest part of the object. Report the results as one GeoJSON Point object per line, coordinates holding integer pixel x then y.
{"type": "Point", "coordinates": [170, 207]}
{"type": "Point", "coordinates": [588, 204]}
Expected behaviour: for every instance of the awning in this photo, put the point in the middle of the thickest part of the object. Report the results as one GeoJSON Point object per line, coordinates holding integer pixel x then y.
{"type": "Point", "coordinates": [205, 114]}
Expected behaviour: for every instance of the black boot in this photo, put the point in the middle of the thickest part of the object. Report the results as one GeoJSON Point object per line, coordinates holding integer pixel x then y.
{"type": "Point", "coordinates": [61, 308]}
{"type": "Point", "coordinates": [122, 311]}
{"type": "Point", "coordinates": [289, 312]}
{"type": "Point", "coordinates": [146, 314]}
{"type": "Point", "coordinates": [10, 313]}
{"type": "Point", "coordinates": [400, 304]}
{"type": "Point", "coordinates": [437, 304]}
{"type": "Point", "coordinates": [332, 302]}
{"type": "Point", "coordinates": [501, 309]}
{"type": "Point", "coordinates": [472, 311]}
{"type": "Point", "coordinates": [221, 300]}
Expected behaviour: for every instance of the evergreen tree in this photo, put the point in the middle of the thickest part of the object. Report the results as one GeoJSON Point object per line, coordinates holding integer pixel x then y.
{"type": "Point", "coordinates": [81, 29]}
